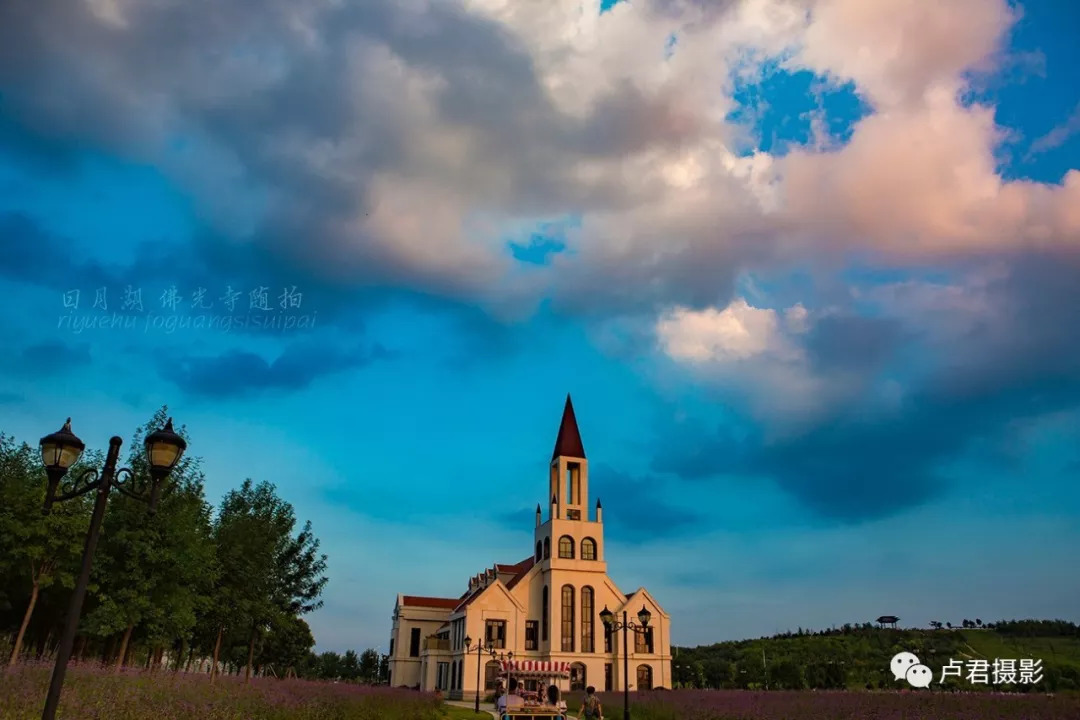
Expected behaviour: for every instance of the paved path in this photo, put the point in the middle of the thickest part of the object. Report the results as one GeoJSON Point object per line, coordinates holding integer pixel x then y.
{"type": "Point", "coordinates": [489, 708]}
{"type": "Point", "coordinates": [486, 707]}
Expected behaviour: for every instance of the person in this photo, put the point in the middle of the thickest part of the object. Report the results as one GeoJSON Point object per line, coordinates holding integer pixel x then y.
{"type": "Point", "coordinates": [553, 698]}
{"type": "Point", "coordinates": [590, 706]}
{"type": "Point", "coordinates": [511, 699]}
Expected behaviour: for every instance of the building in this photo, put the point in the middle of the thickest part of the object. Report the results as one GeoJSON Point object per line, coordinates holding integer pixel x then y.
{"type": "Point", "coordinates": [543, 608]}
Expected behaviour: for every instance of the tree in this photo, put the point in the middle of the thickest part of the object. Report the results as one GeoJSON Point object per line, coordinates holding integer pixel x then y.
{"type": "Point", "coordinates": [287, 643]}
{"type": "Point", "coordinates": [154, 571]}
{"type": "Point", "coordinates": [41, 550]}
{"type": "Point", "coordinates": [265, 570]}
{"type": "Point", "coordinates": [369, 666]}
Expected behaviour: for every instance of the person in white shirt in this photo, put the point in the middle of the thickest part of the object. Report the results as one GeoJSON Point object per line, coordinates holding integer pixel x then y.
{"type": "Point", "coordinates": [511, 699]}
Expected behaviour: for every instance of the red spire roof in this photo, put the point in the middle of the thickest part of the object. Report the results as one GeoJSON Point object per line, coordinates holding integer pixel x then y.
{"type": "Point", "coordinates": [568, 443]}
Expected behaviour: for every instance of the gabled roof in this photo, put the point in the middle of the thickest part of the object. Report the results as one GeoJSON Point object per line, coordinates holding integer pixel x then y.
{"type": "Point", "coordinates": [568, 442]}
{"type": "Point", "coordinates": [523, 569]}
{"type": "Point", "coordinates": [520, 570]}
{"type": "Point", "coordinates": [429, 602]}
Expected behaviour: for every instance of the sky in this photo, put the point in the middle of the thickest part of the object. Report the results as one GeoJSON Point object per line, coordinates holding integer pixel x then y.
{"type": "Point", "coordinates": [809, 269]}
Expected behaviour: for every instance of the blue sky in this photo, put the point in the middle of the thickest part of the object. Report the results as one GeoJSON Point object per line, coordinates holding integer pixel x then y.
{"type": "Point", "coordinates": [808, 272]}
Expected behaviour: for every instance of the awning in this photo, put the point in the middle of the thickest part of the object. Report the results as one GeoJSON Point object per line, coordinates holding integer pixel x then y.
{"type": "Point", "coordinates": [536, 668]}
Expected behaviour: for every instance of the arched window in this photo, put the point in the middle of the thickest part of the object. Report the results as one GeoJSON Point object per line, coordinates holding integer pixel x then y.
{"type": "Point", "coordinates": [544, 614]}
{"type": "Point", "coordinates": [568, 618]}
{"type": "Point", "coordinates": [578, 679]}
{"type": "Point", "coordinates": [588, 549]}
{"type": "Point", "coordinates": [547, 548]}
{"type": "Point", "coordinates": [566, 547]}
{"type": "Point", "coordinates": [644, 677]}
{"type": "Point", "coordinates": [587, 606]}
{"type": "Point", "coordinates": [491, 675]}
{"type": "Point", "coordinates": [539, 550]}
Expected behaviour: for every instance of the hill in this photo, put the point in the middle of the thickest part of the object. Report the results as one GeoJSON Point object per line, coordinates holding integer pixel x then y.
{"type": "Point", "coordinates": [858, 656]}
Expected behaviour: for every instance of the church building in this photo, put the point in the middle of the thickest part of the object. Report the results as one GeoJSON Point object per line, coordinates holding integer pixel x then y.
{"type": "Point", "coordinates": [539, 612]}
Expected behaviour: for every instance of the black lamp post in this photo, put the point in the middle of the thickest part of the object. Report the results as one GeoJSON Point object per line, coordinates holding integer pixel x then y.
{"type": "Point", "coordinates": [480, 647]}
{"type": "Point", "coordinates": [59, 451]}
{"type": "Point", "coordinates": [640, 627]}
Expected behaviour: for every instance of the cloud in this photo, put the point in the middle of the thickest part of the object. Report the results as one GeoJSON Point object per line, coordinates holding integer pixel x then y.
{"type": "Point", "coordinates": [938, 372]}
{"type": "Point", "coordinates": [49, 357]}
{"type": "Point", "coordinates": [400, 143]}
{"type": "Point", "coordinates": [241, 373]}
{"type": "Point", "coordinates": [635, 508]}
{"type": "Point", "coordinates": [1057, 136]}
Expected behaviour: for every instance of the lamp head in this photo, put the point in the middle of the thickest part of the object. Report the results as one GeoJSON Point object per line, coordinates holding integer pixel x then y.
{"type": "Point", "coordinates": [61, 449]}
{"type": "Point", "coordinates": [164, 449]}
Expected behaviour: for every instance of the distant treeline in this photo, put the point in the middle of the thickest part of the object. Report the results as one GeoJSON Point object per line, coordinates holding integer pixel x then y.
{"type": "Point", "coordinates": [857, 656]}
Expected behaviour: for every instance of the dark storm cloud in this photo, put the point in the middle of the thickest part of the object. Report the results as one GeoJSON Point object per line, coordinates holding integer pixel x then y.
{"type": "Point", "coordinates": [50, 357]}
{"type": "Point", "coordinates": [861, 462]}
{"type": "Point", "coordinates": [240, 373]}
{"type": "Point", "coordinates": [634, 508]}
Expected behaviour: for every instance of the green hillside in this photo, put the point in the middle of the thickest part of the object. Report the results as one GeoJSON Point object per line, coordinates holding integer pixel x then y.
{"type": "Point", "coordinates": [857, 656]}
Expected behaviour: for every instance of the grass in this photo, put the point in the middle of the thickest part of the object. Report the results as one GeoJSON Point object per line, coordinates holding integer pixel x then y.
{"type": "Point", "coordinates": [91, 693]}
{"type": "Point", "coordinates": [96, 694]}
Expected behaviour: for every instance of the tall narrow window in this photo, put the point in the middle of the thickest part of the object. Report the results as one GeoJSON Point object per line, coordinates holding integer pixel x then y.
{"type": "Point", "coordinates": [491, 675]}
{"type": "Point", "coordinates": [644, 677]}
{"type": "Point", "coordinates": [568, 618]}
{"type": "Point", "coordinates": [532, 635]}
{"type": "Point", "coordinates": [391, 647]}
{"type": "Point", "coordinates": [414, 643]}
{"type": "Point", "coordinates": [587, 640]}
{"type": "Point", "coordinates": [607, 639]}
{"type": "Point", "coordinates": [539, 551]}
{"type": "Point", "coordinates": [643, 641]}
{"type": "Point", "coordinates": [545, 610]}
{"type": "Point", "coordinates": [495, 633]}
{"type": "Point", "coordinates": [547, 548]}
{"type": "Point", "coordinates": [588, 549]}
{"type": "Point", "coordinates": [573, 484]}
{"type": "Point", "coordinates": [566, 547]}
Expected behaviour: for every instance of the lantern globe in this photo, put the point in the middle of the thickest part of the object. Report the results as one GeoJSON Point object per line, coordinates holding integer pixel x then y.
{"type": "Point", "coordinates": [61, 449]}
{"type": "Point", "coordinates": [164, 449]}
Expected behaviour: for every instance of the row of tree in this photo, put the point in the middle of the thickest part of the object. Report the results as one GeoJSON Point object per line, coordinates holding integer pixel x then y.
{"type": "Point", "coordinates": [188, 587]}
{"type": "Point", "coordinates": [858, 656]}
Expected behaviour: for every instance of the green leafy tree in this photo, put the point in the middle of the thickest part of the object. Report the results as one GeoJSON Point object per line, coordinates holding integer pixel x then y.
{"type": "Point", "coordinates": [369, 665]}
{"type": "Point", "coordinates": [153, 570]}
{"type": "Point", "coordinates": [350, 666]}
{"type": "Point", "coordinates": [41, 550]}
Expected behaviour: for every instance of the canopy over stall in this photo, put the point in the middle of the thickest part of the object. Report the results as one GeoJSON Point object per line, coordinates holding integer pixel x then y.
{"type": "Point", "coordinates": [536, 669]}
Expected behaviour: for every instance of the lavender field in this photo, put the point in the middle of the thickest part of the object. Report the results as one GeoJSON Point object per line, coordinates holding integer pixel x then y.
{"type": "Point", "coordinates": [838, 705]}
{"type": "Point", "coordinates": [96, 694]}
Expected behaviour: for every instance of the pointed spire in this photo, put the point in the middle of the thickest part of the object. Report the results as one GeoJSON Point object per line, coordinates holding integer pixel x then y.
{"type": "Point", "coordinates": [598, 505]}
{"type": "Point", "coordinates": [568, 442]}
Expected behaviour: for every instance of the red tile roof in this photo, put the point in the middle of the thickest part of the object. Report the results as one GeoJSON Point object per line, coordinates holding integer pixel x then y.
{"type": "Point", "coordinates": [520, 570]}
{"type": "Point", "coordinates": [431, 602]}
{"type": "Point", "coordinates": [523, 569]}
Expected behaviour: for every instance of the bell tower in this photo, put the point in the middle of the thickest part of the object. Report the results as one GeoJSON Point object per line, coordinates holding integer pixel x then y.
{"type": "Point", "coordinates": [569, 487]}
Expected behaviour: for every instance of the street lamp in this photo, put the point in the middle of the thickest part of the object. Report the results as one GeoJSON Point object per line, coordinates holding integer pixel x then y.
{"type": "Point", "coordinates": [480, 647]}
{"type": "Point", "coordinates": [639, 628]}
{"type": "Point", "coordinates": [59, 451]}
